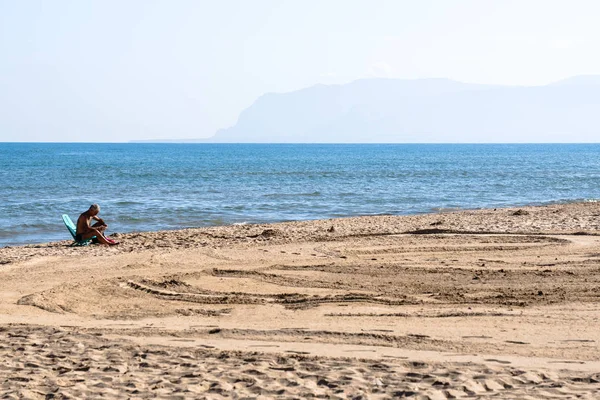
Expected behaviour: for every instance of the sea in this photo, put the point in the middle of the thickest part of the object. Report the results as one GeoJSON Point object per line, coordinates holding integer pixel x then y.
{"type": "Point", "coordinates": [148, 187]}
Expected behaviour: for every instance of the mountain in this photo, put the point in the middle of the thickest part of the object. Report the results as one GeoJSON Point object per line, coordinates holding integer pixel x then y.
{"type": "Point", "coordinates": [580, 80]}
{"type": "Point", "coordinates": [422, 111]}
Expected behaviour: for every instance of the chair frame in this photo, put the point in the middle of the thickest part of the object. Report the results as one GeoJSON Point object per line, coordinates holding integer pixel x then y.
{"type": "Point", "coordinates": [73, 231]}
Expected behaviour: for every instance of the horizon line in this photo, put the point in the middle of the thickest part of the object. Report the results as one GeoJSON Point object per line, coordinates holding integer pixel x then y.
{"type": "Point", "coordinates": [158, 141]}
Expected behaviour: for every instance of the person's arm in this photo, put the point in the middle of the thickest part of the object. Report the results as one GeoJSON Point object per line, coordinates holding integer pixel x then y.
{"type": "Point", "coordinates": [100, 223]}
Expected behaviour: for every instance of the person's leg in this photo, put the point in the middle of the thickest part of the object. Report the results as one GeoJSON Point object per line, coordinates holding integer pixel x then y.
{"type": "Point", "coordinates": [94, 232]}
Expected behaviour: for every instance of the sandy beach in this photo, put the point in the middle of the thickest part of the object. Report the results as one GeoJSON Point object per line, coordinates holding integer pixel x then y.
{"type": "Point", "coordinates": [495, 303]}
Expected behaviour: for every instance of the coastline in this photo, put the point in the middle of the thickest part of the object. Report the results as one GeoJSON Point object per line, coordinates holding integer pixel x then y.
{"type": "Point", "coordinates": [467, 303]}
{"type": "Point", "coordinates": [557, 218]}
{"type": "Point", "coordinates": [182, 186]}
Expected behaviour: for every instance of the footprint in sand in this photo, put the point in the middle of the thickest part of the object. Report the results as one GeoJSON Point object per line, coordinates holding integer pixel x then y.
{"type": "Point", "coordinates": [360, 350]}
{"type": "Point", "coordinates": [566, 362]}
{"type": "Point", "coordinates": [283, 368]}
{"type": "Point", "coordinates": [293, 329]}
{"type": "Point", "coordinates": [498, 361]}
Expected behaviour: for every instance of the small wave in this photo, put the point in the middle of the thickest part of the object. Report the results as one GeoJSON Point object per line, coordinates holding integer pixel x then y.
{"type": "Point", "coordinates": [128, 218]}
{"type": "Point", "coordinates": [562, 201]}
{"type": "Point", "coordinates": [234, 208]}
{"type": "Point", "coordinates": [215, 221]}
{"type": "Point", "coordinates": [443, 209]}
{"type": "Point", "coordinates": [127, 203]}
{"type": "Point", "coordinates": [284, 195]}
{"type": "Point", "coordinates": [78, 153]}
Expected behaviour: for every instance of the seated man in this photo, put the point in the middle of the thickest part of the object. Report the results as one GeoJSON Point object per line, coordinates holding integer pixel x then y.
{"type": "Point", "coordinates": [87, 231]}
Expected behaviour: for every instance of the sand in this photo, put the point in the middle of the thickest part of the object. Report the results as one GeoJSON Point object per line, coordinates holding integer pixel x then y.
{"type": "Point", "coordinates": [498, 303]}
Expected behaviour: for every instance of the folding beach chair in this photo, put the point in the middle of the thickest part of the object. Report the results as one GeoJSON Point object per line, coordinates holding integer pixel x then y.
{"type": "Point", "coordinates": [73, 230]}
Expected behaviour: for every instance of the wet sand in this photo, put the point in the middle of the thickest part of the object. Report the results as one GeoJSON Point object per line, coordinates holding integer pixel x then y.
{"type": "Point", "coordinates": [498, 303]}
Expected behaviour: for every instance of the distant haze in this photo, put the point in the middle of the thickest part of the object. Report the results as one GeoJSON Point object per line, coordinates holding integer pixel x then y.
{"type": "Point", "coordinates": [423, 111]}
{"type": "Point", "coordinates": [117, 71]}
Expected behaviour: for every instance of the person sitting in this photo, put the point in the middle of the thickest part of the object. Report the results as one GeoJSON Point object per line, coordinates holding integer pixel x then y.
{"type": "Point", "coordinates": [87, 231]}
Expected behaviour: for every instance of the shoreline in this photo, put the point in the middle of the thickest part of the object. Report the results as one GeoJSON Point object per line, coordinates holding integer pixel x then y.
{"type": "Point", "coordinates": [432, 211]}
{"type": "Point", "coordinates": [470, 303]}
{"type": "Point", "coordinates": [414, 223]}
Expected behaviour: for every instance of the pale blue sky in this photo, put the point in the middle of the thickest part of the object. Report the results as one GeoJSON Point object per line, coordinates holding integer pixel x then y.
{"type": "Point", "coordinates": [123, 70]}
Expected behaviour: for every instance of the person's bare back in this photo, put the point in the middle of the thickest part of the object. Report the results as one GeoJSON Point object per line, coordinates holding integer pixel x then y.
{"type": "Point", "coordinates": [86, 231]}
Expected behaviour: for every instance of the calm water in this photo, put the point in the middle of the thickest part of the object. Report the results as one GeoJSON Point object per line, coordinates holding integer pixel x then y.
{"type": "Point", "coordinates": [143, 187]}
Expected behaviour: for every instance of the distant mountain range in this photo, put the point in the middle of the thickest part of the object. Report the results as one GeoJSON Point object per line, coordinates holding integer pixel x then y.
{"type": "Point", "coordinates": [422, 111]}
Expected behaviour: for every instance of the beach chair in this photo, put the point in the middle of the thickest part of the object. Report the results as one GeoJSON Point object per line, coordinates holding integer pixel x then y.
{"type": "Point", "coordinates": [73, 230]}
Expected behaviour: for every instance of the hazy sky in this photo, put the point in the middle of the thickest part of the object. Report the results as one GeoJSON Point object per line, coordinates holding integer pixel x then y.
{"type": "Point", "coordinates": [122, 70]}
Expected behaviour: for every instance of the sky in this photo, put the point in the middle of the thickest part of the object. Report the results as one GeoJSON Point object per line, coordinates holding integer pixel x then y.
{"type": "Point", "coordinates": [114, 71]}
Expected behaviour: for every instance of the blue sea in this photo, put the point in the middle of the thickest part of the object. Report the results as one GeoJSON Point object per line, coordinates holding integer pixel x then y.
{"type": "Point", "coordinates": [143, 187]}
